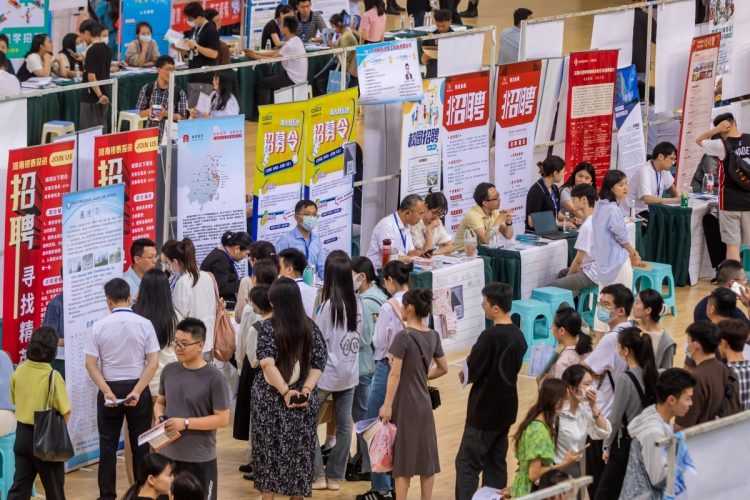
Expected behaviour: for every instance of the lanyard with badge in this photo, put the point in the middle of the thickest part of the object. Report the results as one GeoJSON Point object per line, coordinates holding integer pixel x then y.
{"type": "Point", "coordinates": [658, 180]}
{"type": "Point", "coordinates": [550, 193]}
{"type": "Point", "coordinates": [400, 232]}
{"type": "Point", "coordinates": [196, 33]}
{"type": "Point", "coordinates": [231, 259]}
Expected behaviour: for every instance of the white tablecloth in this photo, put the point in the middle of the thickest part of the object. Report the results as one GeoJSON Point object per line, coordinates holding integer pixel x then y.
{"type": "Point", "coordinates": [540, 265]}
{"type": "Point", "coordinates": [700, 263]}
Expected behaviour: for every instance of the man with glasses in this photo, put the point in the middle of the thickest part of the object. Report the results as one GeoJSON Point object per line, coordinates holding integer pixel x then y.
{"type": "Point", "coordinates": [122, 354]}
{"type": "Point", "coordinates": [194, 401]}
{"type": "Point", "coordinates": [142, 259]}
{"type": "Point", "coordinates": [654, 180]}
{"type": "Point", "coordinates": [153, 100]}
{"type": "Point", "coordinates": [485, 215]}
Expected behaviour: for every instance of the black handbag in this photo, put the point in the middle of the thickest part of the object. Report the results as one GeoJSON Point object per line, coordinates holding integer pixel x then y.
{"type": "Point", "coordinates": [51, 440]}
{"type": "Point", "coordinates": [434, 392]}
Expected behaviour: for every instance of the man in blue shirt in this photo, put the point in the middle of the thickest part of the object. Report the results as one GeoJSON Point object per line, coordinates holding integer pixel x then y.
{"type": "Point", "coordinates": [142, 258]}
{"type": "Point", "coordinates": [302, 237]}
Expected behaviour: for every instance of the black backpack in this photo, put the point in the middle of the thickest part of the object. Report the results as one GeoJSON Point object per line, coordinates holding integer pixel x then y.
{"type": "Point", "coordinates": [736, 168]}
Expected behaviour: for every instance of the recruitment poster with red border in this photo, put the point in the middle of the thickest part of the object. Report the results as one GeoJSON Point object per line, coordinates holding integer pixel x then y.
{"type": "Point", "coordinates": [130, 158]}
{"type": "Point", "coordinates": [37, 179]}
{"type": "Point", "coordinates": [697, 105]}
{"type": "Point", "coordinates": [466, 163]}
{"type": "Point", "coordinates": [591, 91]}
{"type": "Point", "coordinates": [515, 131]}
{"type": "Point", "coordinates": [230, 12]}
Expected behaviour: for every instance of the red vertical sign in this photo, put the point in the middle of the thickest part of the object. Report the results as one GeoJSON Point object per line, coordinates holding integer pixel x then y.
{"type": "Point", "coordinates": [130, 158]}
{"type": "Point", "coordinates": [591, 89]}
{"type": "Point", "coordinates": [37, 179]}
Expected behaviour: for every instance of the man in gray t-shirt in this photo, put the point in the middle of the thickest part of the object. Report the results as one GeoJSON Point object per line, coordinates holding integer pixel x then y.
{"type": "Point", "coordinates": [194, 401]}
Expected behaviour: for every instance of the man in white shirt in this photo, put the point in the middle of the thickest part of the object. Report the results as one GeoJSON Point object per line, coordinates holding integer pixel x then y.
{"type": "Point", "coordinates": [9, 84]}
{"type": "Point", "coordinates": [142, 259]}
{"type": "Point", "coordinates": [295, 70]}
{"type": "Point", "coordinates": [396, 228]}
{"type": "Point", "coordinates": [654, 179]}
{"type": "Point", "coordinates": [581, 275]}
{"type": "Point", "coordinates": [510, 38]}
{"type": "Point", "coordinates": [615, 304]}
{"type": "Point", "coordinates": [122, 354]}
{"type": "Point", "coordinates": [293, 264]}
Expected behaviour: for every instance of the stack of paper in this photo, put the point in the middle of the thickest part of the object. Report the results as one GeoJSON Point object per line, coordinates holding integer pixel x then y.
{"type": "Point", "coordinates": [38, 82]}
{"type": "Point", "coordinates": [158, 437]}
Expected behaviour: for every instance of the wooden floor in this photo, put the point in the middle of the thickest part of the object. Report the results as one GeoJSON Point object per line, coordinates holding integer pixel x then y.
{"type": "Point", "coordinates": [450, 416]}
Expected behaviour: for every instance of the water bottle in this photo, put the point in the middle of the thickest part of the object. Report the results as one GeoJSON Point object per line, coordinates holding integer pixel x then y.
{"type": "Point", "coordinates": [309, 275]}
{"type": "Point", "coordinates": [684, 200]}
{"type": "Point", "coordinates": [707, 186]}
{"type": "Point", "coordinates": [268, 44]}
{"type": "Point", "coordinates": [493, 241]}
{"type": "Point", "coordinates": [411, 23]}
{"type": "Point", "coordinates": [79, 77]}
{"type": "Point", "coordinates": [470, 243]}
{"type": "Point", "coordinates": [690, 196]}
{"type": "Point", "coordinates": [566, 221]}
{"type": "Point", "coordinates": [385, 252]}
{"type": "Point", "coordinates": [402, 23]}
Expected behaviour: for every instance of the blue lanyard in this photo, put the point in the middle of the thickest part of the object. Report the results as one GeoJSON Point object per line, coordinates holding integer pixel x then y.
{"type": "Point", "coordinates": [122, 309]}
{"type": "Point", "coordinates": [551, 195]}
{"type": "Point", "coordinates": [400, 233]}
{"type": "Point", "coordinates": [307, 247]}
{"type": "Point", "coordinates": [658, 181]}
{"type": "Point", "coordinates": [229, 256]}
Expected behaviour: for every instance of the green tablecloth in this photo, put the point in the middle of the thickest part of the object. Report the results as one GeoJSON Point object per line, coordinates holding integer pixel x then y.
{"type": "Point", "coordinates": [65, 105]}
{"type": "Point", "coordinates": [668, 239]}
{"type": "Point", "coordinates": [505, 267]}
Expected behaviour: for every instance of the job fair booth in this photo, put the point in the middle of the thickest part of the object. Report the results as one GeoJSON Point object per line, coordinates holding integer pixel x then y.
{"type": "Point", "coordinates": [75, 202]}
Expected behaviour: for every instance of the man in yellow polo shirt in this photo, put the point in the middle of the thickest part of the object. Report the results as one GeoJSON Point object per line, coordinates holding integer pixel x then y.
{"type": "Point", "coordinates": [483, 216]}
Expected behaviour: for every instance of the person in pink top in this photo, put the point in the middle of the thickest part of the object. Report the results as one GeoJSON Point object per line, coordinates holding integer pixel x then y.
{"type": "Point", "coordinates": [372, 27]}
{"type": "Point", "coordinates": [566, 327]}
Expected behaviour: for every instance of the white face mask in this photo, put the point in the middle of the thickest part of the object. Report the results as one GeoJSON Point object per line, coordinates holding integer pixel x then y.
{"type": "Point", "coordinates": [191, 23]}
{"type": "Point", "coordinates": [581, 395]}
{"type": "Point", "coordinates": [688, 354]}
{"type": "Point", "coordinates": [356, 282]}
{"type": "Point", "coordinates": [144, 38]}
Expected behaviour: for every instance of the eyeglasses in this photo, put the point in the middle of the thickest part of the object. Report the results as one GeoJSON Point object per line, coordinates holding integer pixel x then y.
{"type": "Point", "coordinates": [437, 212]}
{"type": "Point", "coordinates": [179, 346]}
{"type": "Point", "coordinates": [493, 199]}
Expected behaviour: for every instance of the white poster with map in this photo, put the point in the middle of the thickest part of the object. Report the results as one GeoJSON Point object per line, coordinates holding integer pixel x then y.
{"type": "Point", "coordinates": [210, 180]}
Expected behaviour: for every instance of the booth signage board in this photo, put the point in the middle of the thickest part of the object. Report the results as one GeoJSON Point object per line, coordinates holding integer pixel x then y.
{"type": "Point", "coordinates": [631, 147]}
{"type": "Point", "coordinates": [37, 178]}
{"type": "Point", "coordinates": [389, 72]}
{"type": "Point", "coordinates": [20, 20]}
{"type": "Point", "coordinates": [155, 12]}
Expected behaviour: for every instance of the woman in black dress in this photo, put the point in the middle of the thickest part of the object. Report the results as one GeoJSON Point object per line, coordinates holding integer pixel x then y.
{"type": "Point", "coordinates": [292, 355]}
{"type": "Point", "coordinates": [222, 263]}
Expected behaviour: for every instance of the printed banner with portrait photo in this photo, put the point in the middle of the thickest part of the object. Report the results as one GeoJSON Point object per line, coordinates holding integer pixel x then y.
{"type": "Point", "coordinates": [389, 72]}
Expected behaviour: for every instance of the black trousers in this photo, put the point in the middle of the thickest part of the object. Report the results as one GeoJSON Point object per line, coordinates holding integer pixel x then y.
{"type": "Point", "coordinates": [594, 464]}
{"type": "Point", "coordinates": [268, 84]}
{"type": "Point", "coordinates": [452, 5]}
{"type": "Point", "coordinates": [610, 483]}
{"type": "Point", "coordinates": [207, 473]}
{"type": "Point", "coordinates": [109, 420]}
{"type": "Point", "coordinates": [28, 466]}
{"type": "Point", "coordinates": [481, 451]}
{"type": "Point", "coordinates": [717, 249]}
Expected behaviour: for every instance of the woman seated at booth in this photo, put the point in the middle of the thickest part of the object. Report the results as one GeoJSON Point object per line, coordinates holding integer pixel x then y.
{"type": "Point", "coordinates": [584, 173]}
{"type": "Point", "coordinates": [143, 51]}
{"type": "Point", "coordinates": [544, 195]}
{"type": "Point", "coordinates": [429, 234]}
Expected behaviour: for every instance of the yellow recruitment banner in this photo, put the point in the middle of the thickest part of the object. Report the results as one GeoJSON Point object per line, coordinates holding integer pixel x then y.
{"type": "Point", "coordinates": [279, 158]}
{"type": "Point", "coordinates": [329, 166]}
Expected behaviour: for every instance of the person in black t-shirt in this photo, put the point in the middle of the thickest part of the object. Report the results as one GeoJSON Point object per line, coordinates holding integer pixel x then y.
{"type": "Point", "coordinates": [203, 41]}
{"type": "Point", "coordinates": [96, 66]}
{"type": "Point", "coordinates": [272, 29]}
{"type": "Point", "coordinates": [544, 195]}
{"type": "Point", "coordinates": [734, 199]}
{"type": "Point", "coordinates": [493, 366]}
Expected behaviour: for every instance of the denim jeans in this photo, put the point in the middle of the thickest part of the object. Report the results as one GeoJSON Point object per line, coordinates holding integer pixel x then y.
{"type": "Point", "coordinates": [359, 412]}
{"type": "Point", "coordinates": [380, 481]}
{"type": "Point", "coordinates": [342, 408]}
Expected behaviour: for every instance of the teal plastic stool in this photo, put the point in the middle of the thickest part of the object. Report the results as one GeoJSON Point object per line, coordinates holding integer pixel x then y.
{"type": "Point", "coordinates": [587, 299]}
{"type": "Point", "coordinates": [654, 279]}
{"type": "Point", "coordinates": [745, 258]}
{"type": "Point", "coordinates": [553, 296]}
{"type": "Point", "coordinates": [8, 468]}
{"type": "Point", "coordinates": [534, 319]}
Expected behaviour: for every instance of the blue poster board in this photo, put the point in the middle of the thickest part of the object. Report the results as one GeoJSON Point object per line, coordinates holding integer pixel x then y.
{"type": "Point", "coordinates": [155, 12]}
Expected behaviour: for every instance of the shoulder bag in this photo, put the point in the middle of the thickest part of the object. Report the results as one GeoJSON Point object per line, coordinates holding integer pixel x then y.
{"type": "Point", "coordinates": [224, 334]}
{"type": "Point", "coordinates": [51, 438]}
{"type": "Point", "coordinates": [434, 392]}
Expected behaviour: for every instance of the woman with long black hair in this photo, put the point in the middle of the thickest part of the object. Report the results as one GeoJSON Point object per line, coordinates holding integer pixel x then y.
{"type": "Point", "coordinates": [584, 173]}
{"type": "Point", "coordinates": [222, 262]}
{"type": "Point", "coordinates": [292, 355]}
{"type": "Point", "coordinates": [648, 309]}
{"type": "Point", "coordinates": [223, 100]}
{"type": "Point", "coordinates": [39, 60]}
{"type": "Point", "coordinates": [154, 479]}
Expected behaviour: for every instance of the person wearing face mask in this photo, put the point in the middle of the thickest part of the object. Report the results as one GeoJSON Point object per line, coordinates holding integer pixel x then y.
{"type": "Point", "coordinates": [535, 439]}
{"type": "Point", "coordinates": [370, 290]}
{"type": "Point", "coordinates": [222, 262]}
{"type": "Point", "coordinates": [143, 51]}
{"type": "Point", "coordinates": [580, 417]}
{"type": "Point", "coordinates": [635, 389]}
{"type": "Point", "coordinates": [203, 50]}
{"type": "Point", "coordinates": [303, 238]}
{"type": "Point", "coordinates": [615, 304]}
{"type": "Point", "coordinates": [544, 195]}
{"type": "Point", "coordinates": [648, 310]}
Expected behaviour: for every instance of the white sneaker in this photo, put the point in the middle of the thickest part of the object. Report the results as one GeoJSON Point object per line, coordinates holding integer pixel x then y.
{"type": "Point", "coordinates": [333, 484]}
{"type": "Point", "coordinates": [319, 483]}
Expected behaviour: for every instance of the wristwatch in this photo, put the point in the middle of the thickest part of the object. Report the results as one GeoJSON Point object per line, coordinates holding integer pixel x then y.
{"type": "Point", "coordinates": [187, 423]}
{"type": "Point", "coordinates": [509, 222]}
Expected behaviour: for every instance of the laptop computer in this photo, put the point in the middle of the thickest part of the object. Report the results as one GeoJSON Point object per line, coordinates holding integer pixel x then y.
{"type": "Point", "coordinates": [545, 226]}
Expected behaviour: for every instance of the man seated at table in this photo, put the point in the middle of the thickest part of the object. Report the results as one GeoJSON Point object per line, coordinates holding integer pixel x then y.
{"type": "Point", "coordinates": [485, 215]}
{"type": "Point", "coordinates": [294, 71]}
{"type": "Point", "coordinates": [580, 274]}
{"type": "Point", "coordinates": [310, 23]}
{"type": "Point", "coordinates": [653, 180]}
{"type": "Point", "coordinates": [153, 100]}
{"type": "Point", "coordinates": [396, 227]}
{"type": "Point", "coordinates": [303, 238]}
{"type": "Point", "coordinates": [429, 56]}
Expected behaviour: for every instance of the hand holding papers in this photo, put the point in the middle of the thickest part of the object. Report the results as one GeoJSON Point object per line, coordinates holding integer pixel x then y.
{"type": "Point", "coordinates": [158, 437]}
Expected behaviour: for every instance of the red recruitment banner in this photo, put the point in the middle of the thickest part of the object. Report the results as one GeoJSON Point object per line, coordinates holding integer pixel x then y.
{"type": "Point", "coordinates": [130, 158]}
{"type": "Point", "coordinates": [591, 89]}
{"type": "Point", "coordinates": [37, 179]}
{"type": "Point", "coordinates": [697, 104]}
{"type": "Point", "coordinates": [230, 12]}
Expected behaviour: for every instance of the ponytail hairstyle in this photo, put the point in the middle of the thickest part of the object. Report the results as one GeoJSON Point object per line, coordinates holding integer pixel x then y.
{"type": "Point", "coordinates": [183, 252]}
{"type": "Point", "coordinates": [398, 271]}
{"type": "Point", "coordinates": [421, 300]}
{"type": "Point", "coordinates": [639, 344]}
{"type": "Point", "coordinates": [364, 265]}
{"type": "Point", "coordinates": [240, 239]}
{"type": "Point", "coordinates": [152, 465]}
{"type": "Point", "coordinates": [550, 165]}
{"type": "Point", "coordinates": [653, 300]}
{"type": "Point", "coordinates": [550, 393]}
{"type": "Point", "coordinates": [568, 318]}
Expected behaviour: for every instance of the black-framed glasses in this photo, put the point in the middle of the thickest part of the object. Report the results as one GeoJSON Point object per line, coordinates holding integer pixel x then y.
{"type": "Point", "coordinates": [493, 199]}
{"type": "Point", "coordinates": [438, 212]}
{"type": "Point", "coordinates": [182, 346]}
